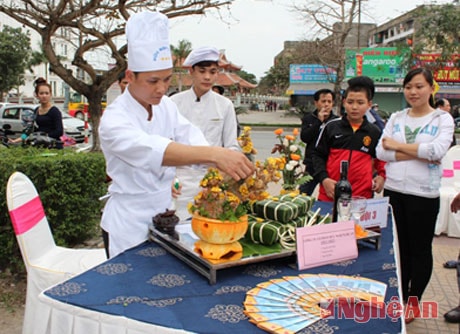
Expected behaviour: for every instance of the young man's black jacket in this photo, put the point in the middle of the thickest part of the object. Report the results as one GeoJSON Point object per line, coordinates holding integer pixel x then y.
{"type": "Point", "coordinates": [311, 127]}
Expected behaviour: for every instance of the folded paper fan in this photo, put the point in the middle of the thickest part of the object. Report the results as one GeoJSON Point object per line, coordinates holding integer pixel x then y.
{"type": "Point", "coordinates": [289, 304]}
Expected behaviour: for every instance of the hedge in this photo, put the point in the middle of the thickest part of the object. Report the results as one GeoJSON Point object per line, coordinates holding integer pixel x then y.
{"type": "Point", "coordinates": [69, 185]}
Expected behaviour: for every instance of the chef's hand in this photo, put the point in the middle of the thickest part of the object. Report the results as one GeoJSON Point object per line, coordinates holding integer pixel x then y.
{"type": "Point", "coordinates": [176, 188]}
{"type": "Point", "coordinates": [233, 163]}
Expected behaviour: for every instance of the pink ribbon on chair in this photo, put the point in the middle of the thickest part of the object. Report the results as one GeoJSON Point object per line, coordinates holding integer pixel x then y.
{"type": "Point", "coordinates": [456, 164]}
{"type": "Point", "coordinates": [27, 215]}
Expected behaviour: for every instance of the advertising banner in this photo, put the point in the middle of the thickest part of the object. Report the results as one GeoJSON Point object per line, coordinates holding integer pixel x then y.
{"type": "Point", "coordinates": [445, 72]}
{"type": "Point", "coordinates": [311, 73]}
{"type": "Point", "coordinates": [383, 65]}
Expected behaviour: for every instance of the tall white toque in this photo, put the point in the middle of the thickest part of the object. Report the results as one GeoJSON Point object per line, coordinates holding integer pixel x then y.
{"type": "Point", "coordinates": [204, 53]}
{"type": "Point", "coordinates": [147, 35]}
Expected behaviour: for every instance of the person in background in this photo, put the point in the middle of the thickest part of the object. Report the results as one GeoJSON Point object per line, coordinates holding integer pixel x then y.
{"type": "Point", "coordinates": [211, 112]}
{"type": "Point", "coordinates": [413, 143]}
{"type": "Point", "coordinates": [453, 315]}
{"type": "Point", "coordinates": [312, 123]}
{"type": "Point", "coordinates": [221, 90]}
{"type": "Point", "coordinates": [143, 137]}
{"type": "Point", "coordinates": [122, 81]}
{"type": "Point", "coordinates": [218, 89]}
{"type": "Point", "coordinates": [454, 111]}
{"type": "Point", "coordinates": [444, 105]}
{"type": "Point", "coordinates": [350, 138]}
{"type": "Point", "coordinates": [48, 118]}
{"type": "Point", "coordinates": [373, 116]}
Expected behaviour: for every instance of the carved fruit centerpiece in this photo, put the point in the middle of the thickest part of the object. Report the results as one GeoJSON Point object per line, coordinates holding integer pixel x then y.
{"type": "Point", "coordinates": [219, 211]}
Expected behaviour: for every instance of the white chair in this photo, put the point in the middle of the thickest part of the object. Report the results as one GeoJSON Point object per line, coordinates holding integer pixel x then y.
{"type": "Point", "coordinates": [450, 186]}
{"type": "Point", "coordinates": [46, 263]}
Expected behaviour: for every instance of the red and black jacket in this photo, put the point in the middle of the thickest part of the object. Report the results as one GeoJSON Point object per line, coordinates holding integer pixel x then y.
{"type": "Point", "coordinates": [339, 142]}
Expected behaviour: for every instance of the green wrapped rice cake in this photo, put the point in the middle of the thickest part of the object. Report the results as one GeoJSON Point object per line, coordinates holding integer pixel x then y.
{"type": "Point", "coordinates": [281, 211]}
{"type": "Point", "coordinates": [305, 202]}
{"type": "Point", "coordinates": [265, 232]}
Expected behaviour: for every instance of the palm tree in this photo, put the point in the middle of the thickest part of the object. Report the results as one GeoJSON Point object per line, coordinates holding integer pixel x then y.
{"type": "Point", "coordinates": [180, 53]}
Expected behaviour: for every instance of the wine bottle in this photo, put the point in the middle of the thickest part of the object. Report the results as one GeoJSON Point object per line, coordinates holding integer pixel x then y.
{"type": "Point", "coordinates": [342, 188]}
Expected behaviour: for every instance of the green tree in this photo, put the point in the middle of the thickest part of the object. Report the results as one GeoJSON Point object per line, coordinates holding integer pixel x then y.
{"type": "Point", "coordinates": [438, 31]}
{"type": "Point", "coordinates": [276, 79]}
{"type": "Point", "coordinates": [92, 27]}
{"type": "Point", "coordinates": [249, 77]}
{"type": "Point", "coordinates": [180, 53]}
{"type": "Point", "coordinates": [14, 58]}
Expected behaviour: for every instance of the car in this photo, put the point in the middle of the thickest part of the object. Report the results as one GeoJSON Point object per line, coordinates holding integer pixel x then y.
{"type": "Point", "coordinates": [11, 114]}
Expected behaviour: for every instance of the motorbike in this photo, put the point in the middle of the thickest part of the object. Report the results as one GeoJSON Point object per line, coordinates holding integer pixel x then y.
{"type": "Point", "coordinates": [40, 139]}
{"type": "Point", "coordinates": [30, 137]}
{"type": "Point", "coordinates": [5, 131]}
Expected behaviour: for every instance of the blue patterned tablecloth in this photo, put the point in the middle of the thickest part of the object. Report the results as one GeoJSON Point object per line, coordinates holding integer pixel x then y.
{"type": "Point", "coordinates": [148, 284]}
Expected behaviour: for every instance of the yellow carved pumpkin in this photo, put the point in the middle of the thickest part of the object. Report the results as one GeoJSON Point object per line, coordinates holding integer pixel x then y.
{"type": "Point", "coordinates": [217, 231]}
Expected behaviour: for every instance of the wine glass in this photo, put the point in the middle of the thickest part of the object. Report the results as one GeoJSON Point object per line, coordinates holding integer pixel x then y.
{"type": "Point", "coordinates": [344, 208]}
{"type": "Point", "coordinates": [358, 207]}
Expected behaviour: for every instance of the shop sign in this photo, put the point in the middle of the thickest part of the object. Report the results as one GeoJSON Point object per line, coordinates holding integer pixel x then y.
{"type": "Point", "coordinates": [383, 65]}
{"type": "Point", "coordinates": [311, 73]}
{"type": "Point", "coordinates": [445, 72]}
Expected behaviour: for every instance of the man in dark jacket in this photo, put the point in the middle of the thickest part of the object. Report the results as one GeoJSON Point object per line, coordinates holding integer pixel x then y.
{"type": "Point", "coordinates": [312, 124]}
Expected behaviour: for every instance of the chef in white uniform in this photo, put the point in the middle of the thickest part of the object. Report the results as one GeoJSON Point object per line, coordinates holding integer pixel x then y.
{"type": "Point", "coordinates": [143, 137]}
{"type": "Point", "coordinates": [213, 113]}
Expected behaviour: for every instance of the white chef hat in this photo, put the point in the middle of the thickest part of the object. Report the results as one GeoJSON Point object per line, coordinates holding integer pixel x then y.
{"type": "Point", "coordinates": [148, 42]}
{"type": "Point", "coordinates": [204, 53]}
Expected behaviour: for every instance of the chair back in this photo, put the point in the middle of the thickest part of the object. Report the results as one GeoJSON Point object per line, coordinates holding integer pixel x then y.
{"type": "Point", "coordinates": [28, 218]}
{"type": "Point", "coordinates": [451, 166]}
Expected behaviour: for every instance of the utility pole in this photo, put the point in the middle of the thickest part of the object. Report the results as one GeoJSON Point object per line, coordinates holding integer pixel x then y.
{"type": "Point", "coordinates": [359, 23]}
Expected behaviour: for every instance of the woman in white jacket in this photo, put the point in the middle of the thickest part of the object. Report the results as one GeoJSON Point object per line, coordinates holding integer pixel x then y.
{"type": "Point", "coordinates": [413, 143]}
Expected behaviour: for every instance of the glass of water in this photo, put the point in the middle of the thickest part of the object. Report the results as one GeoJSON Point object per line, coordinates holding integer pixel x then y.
{"type": "Point", "coordinates": [344, 208]}
{"type": "Point", "coordinates": [358, 207]}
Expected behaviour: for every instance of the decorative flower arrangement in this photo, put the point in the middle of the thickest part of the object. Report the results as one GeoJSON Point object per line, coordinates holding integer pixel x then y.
{"type": "Point", "coordinates": [228, 200]}
{"type": "Point", "coordinates": [291, 152]}
{"type": "Point", "coordinates": [245, 142]}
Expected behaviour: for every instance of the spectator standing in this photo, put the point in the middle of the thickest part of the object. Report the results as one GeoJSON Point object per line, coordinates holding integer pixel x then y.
{"type": "Point", "coordinates": [372, 114]}
{"type": "Point", "coordinates": [413, 143]}
{"type": "Point", "coordinates": [122, 81]}
{"type": "Point", "coordinates": [211, 112]}
{"type": "Point", "coordinates": [312, 123]}
{"type": "Point", "coordinates": [48, 117]}
{"type": "Point", "coordinates": [351, 138]}
{"type": "Point", "coordinates": [444, 105]}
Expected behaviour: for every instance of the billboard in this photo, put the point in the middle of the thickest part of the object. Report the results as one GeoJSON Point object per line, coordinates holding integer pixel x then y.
{"type": "Point", "coordinates": [383, 65]}
{"type": "Point", "coordinates": [446, 72]}
{"type": "Point", "coordinates": [311, 73]}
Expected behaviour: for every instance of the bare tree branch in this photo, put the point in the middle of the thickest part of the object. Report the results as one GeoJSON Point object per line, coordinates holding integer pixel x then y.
{"type": "Point", "coordinates": [93, 26]}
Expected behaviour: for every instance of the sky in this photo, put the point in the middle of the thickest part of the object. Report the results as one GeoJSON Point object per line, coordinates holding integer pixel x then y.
{"type": "Point", "coordinates": [257, 29]}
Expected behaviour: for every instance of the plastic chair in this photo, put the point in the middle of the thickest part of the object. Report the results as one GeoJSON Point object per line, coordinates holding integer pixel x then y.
{"type": "Point", "coordinates": [46, 263]}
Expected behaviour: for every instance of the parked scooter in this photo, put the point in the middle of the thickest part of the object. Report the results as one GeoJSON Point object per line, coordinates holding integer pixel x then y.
{"type": "Point", "coordinates": [30, 137]}
{"type": "Point", "coordinates": [5, 131]}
